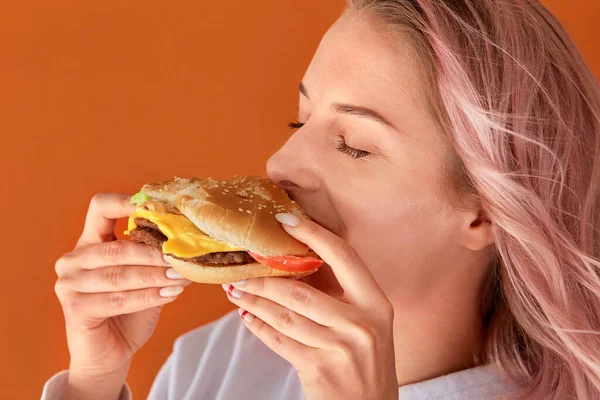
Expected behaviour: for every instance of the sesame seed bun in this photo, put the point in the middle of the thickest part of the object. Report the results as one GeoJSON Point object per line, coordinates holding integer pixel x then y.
{"type": "Point", "coordinates": [240, 212]}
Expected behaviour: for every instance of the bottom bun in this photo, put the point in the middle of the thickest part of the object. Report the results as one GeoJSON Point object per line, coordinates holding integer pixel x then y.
{"type": "Point", "coordinates": [228, 274]}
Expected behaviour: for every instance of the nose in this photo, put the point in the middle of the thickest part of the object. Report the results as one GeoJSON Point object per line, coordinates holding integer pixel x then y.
{"type": "Point", "coordinates": [293, 166]}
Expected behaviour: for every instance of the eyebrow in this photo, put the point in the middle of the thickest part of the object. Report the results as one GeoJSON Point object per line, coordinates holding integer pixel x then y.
{"type": "Point", "coordinates": [350, 109]}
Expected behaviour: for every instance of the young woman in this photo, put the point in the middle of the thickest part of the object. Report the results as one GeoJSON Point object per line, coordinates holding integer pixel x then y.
{"type": "Point", "coordinates": [448, 153]}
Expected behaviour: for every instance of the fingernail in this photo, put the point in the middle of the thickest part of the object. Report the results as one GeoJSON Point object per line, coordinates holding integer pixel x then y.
{"type": "Point", "coordinates": [246, 316]}
{"type": "Point", "coordinates": [240, 283]}
{"type": "Point", "coordinates": [166, 259]}
{"type": "Point", "coordinates": [288, 219]}
{"type": "Point", "coordinates": [172, 274]}
{"type": "Point", "coordinates": [170, 291]}
{"type": "Point", "coordinates": [233, 292]}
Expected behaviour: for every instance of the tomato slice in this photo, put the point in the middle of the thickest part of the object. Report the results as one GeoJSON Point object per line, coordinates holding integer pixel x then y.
{"type": "Point", "coordinates": [289, 263]}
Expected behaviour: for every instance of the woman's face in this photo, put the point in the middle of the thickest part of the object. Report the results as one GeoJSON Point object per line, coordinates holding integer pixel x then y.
{"type": "Point", "coordinates": [369, 162]}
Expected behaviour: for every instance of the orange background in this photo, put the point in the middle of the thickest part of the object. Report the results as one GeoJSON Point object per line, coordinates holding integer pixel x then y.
{"type": "Point", "coordinates": [92, 92]}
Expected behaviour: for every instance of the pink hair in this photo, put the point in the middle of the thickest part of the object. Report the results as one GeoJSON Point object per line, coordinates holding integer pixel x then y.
{"type": "Point", "coordinates": [521, 108]}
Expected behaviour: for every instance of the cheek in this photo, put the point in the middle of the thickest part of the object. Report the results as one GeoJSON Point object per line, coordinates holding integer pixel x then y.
{"type": "Point", "coordinates": [400, 239]}
{"type": "Point", "coordinates": [380, 223]}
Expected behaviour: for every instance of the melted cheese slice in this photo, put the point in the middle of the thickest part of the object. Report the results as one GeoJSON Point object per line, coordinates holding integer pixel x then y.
{"type": "Point", "coordinates": [184, 239]}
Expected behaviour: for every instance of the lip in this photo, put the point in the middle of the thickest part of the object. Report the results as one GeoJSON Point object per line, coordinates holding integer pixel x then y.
{"type": "Point", "coordinates": [306, 207]}
{"type": "Point", "coordinates": [317, 220]}
{"type": "Point", "coordinates": [320, 220]}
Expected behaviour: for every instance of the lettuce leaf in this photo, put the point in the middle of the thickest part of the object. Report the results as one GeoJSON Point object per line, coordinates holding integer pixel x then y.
{"type": "Point", "coordinates": [139, 198]}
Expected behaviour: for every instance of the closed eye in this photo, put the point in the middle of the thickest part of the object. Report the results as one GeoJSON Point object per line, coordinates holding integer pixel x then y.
{"type": "Point", "coordinates": [341, 143]}
{"type": "Point", "coordinates": [351, 151]}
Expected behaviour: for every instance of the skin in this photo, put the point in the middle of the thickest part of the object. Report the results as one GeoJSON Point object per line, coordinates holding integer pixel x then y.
{"type": "Point", "coordinates": [428, 257]}
{"type": "Point", "coordinates": [111, 293]}
{"type": "Point", "coordinates": [397, 302]}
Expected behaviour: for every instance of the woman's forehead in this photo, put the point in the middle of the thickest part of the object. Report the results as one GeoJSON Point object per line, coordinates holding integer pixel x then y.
{"type": "Point", "coordinates": [361, 62]}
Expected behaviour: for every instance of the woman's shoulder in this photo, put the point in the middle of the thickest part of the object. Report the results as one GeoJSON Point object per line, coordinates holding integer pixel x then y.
{"type": "Point", "coordinates": [223, 359]}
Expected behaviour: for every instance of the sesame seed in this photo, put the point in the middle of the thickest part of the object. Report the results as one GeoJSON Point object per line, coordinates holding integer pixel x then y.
{"type": "Point", "coordinates": [249, 212]}
{"type": "Point", "coordinates": [222, 192]}
{"type": "Point", "coordinates": [226, 190]}
{"type": "Point", "coordinates": [239, 209]}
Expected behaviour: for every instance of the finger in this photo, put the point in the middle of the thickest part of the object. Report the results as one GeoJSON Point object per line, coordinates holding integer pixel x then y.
{"type": "Point", "coordinates": [296, 296]}
{"type": "Point", "coordinates": [120, 278]}
{"type": "Point", "coordinates": [352, 274]}
{"type": "Point", "coordinates": [291, 324]}
{"type": "Point", "coordinates": [291, 350]}
{"type": "Point", "coordinates": [105, 305]}
{"type": "Point", "coordinates": [101, 217]}
{"type": "Point", "coordinates": [118, 252]}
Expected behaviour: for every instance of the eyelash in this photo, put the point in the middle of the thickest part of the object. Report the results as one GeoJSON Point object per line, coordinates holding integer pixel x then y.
{"type": "Point", "coordinates": [351, 151]}
{"type": "Point", "coordinates": [295, 125]}
{"type": "Point", "coordinates": [341, 144]}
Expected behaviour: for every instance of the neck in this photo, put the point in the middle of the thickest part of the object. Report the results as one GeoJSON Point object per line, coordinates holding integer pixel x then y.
{"type": "Point", "coordinates": [433, 335]}
{"type": "Point", "coordinates": [436, 337]}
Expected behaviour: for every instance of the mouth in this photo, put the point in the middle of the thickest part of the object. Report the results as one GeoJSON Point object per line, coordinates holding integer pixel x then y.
{"type": "Point", "coordinates": [317, 220]}
{"type": "Point", "coordinates": [327, 223]}
{"type": "Point", "coordinates": [321, 219]}
{"type": "Point", "coordinates": [324, 279]}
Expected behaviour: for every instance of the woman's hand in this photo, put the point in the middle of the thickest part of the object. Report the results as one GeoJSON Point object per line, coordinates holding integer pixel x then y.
{"type": "Point", "coordinates": [341, 349]}
{"type": "Point", "coordinates": [111, 293]}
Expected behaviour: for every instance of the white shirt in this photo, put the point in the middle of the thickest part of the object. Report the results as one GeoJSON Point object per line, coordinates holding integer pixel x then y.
{"type": "Point", "coordinates": [224, 360]}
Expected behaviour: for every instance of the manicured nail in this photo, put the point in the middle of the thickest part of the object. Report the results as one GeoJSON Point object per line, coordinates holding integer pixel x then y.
{"type": "Point", "coordinates": [172, 274]}
{"type": "Point", "coordinates": [288, 219]}
{"type": "Point", "coordinates": [246, 316]}
{"type": "Point", "coordinates": [233, 292]}
{"type": "Point", "coordinates": [240, 283]}
{"type": "Point", "coordinates": [170, 291]}
{"type": "Point", "coordinates": [166, 259]}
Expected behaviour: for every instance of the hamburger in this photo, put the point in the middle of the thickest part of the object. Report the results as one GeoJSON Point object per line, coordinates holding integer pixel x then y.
{"type": "Point", "coordinates": [216, 231]}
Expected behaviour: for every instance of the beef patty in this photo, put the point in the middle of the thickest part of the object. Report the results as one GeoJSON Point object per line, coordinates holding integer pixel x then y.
{"type": "Point", "coordinates": [147, 232]}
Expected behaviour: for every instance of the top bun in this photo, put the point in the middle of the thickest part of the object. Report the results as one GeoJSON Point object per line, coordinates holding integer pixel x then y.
{"type": "Point", "coordinates": [240, 212]}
